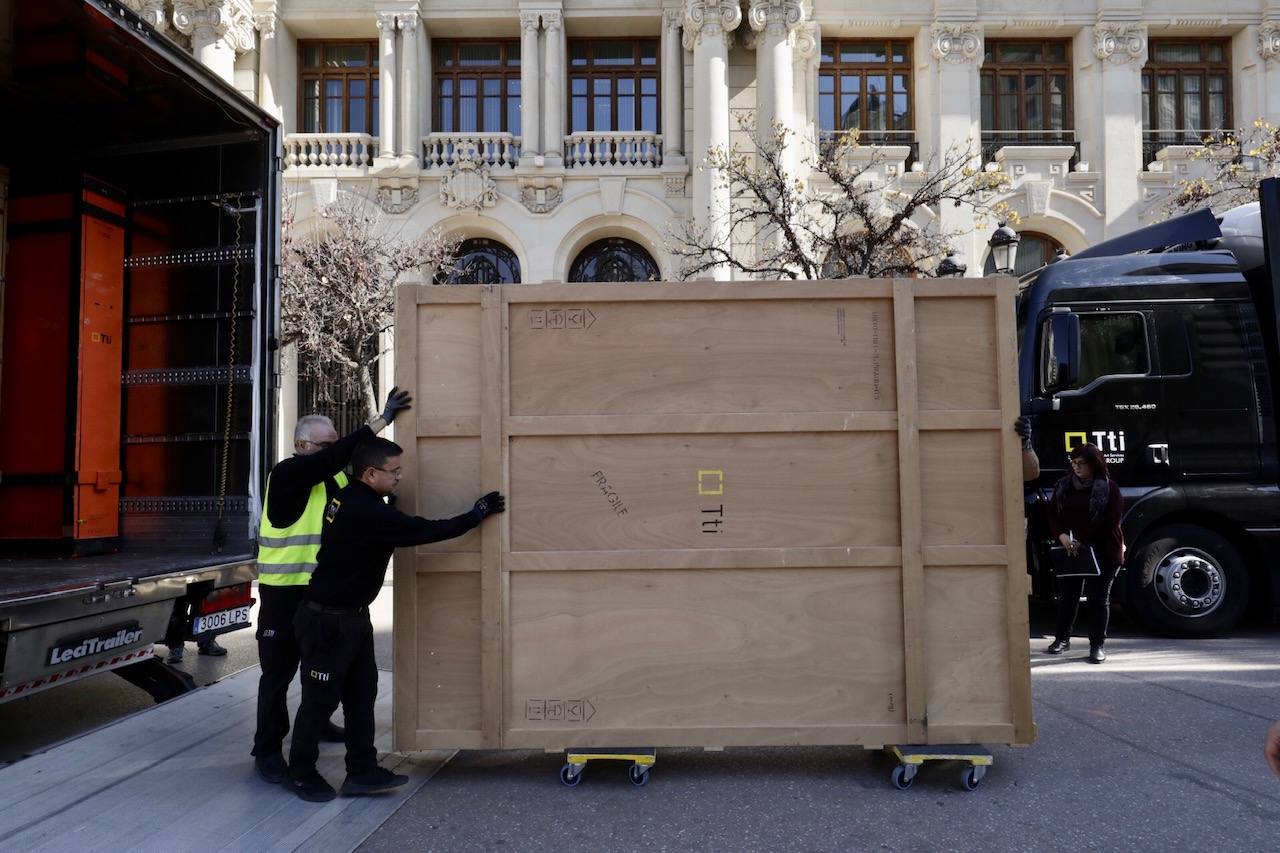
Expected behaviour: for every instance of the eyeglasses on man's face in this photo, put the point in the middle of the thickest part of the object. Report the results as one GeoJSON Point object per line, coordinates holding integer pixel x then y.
{"type": "Point", "coordinates": [320, 444]}
{"type": "Point", "coordinates": [394, 472]}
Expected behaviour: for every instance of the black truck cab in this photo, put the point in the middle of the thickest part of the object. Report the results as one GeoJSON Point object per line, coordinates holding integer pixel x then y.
{"type": "Point", "coordinates": [1161, 360]}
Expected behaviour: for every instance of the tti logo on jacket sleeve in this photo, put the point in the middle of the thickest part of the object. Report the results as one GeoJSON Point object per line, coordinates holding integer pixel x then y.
{"type": "Point", "coordinates": [331, 511]}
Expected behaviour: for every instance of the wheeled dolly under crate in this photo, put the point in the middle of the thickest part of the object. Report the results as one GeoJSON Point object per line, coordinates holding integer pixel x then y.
{"type": "Point", "coordinates": [576, 762]}
{"type": "Point", "coordinates": [911, 757]}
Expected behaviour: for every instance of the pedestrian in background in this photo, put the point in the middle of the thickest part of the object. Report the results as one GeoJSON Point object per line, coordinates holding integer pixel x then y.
{"type": "Point", "coordinates": [1085, 512]}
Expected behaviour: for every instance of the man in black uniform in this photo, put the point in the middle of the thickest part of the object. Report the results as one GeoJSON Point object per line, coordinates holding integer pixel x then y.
{"type": "Point", "coordinates": [360, 533]}
{"type": "Point", "coordinates": [298, 489]}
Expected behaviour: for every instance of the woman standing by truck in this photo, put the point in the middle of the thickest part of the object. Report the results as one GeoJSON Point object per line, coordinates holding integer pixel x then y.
{"type": "Point", "coordinates": [1085, 513]}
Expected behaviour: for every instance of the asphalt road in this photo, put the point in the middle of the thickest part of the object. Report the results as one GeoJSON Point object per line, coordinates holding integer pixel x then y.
{"type": "Point", "coordinates": [1159, 748]}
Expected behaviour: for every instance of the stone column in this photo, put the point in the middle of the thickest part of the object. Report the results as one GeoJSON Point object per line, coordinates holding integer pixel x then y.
{"type": "Point", "coordinates": [410, 142]}
{"type": "Point", "coordinates": [553, 86]}
{"type": "Point", "coordinates": [1269, 50]}
{"type": "Point", "coordinates": [268, 61]}
{"type": "Point", "coordinates": [218, 30]}
{"type": "Point", "coordinates": [387, 85]}
{"type": "Point", "coordinates": [425, 82]}
{"type": "Point", "coordinates": [672, 86]}
{"type": "Point", "coordinates": [1122, 51]}
{"type": "Point", "coordinates": [956, 47]}
{"type": "Point", "coordinates": [708, 32]}
{"type": "Point", "coordinates": [288, 413]}
{"type": "Point", "coordinates": [806, 56]}
{"type": "Point", "coordinates": [774, 22]}
{"type": "Point", "coordinates": [530, 103]}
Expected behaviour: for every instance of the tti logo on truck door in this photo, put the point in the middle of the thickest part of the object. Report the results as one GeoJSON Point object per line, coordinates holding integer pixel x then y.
{"type": "Point", "coordinates": [1109, 441]}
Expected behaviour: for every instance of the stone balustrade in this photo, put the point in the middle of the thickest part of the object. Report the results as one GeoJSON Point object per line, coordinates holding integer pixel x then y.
{"type": "Point", "coordinates": [626, 149]}
{"type": "Point", "coordinates": [329, 150]}
{"type": "Point", "coordinates": [445, 150]}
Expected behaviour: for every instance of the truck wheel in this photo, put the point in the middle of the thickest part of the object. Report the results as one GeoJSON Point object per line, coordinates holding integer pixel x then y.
{"type": "Point", "coordinates": [1199, 585]}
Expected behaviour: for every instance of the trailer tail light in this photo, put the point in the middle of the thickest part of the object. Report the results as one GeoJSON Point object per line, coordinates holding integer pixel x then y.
{"type": "Point", "coordinates": [227, 598]}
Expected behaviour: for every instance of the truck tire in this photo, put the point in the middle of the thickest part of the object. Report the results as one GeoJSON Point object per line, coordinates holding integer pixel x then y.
{"type": "Point", "coordinates": [1187, 581]}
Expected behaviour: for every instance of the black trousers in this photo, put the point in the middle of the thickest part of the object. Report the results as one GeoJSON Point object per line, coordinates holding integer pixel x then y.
{"type": "Point", "coordinates": [337, 666]}
{"type": "Point", "coordinates": [278, 655]}
{"type": "Point", "coordinates": [1097, 592]}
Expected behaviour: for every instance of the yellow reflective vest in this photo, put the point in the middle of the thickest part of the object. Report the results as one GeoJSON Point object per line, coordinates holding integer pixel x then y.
{"type": "Point", "coordinates": [287, 555]}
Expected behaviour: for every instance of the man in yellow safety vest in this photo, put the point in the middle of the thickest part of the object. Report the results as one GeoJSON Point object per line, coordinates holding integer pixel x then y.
{"type": "Point", "coordinates": [298, 489]}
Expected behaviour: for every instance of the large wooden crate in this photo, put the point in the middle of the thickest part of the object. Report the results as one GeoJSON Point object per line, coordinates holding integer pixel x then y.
{"type": "Point", "coordinates": [739, 514]}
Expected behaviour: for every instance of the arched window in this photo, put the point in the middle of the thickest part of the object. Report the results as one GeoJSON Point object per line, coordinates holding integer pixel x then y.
{"type": "Point", "coordinates": [614, 259]}
{"type": "Point", "coordinates": [482, 261]}
{"type": "Point", "coordinates": [1034, 251]}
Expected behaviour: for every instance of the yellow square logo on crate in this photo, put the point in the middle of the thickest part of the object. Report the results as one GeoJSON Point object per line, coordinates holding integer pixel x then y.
{"type": "Point", "coordinates": [710, 482]}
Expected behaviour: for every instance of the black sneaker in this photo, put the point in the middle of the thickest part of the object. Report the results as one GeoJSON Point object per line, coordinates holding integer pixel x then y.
{"type": "Point", "coordinates": [333, 733]}
{"type": "Point", "coordinates": [1097, 654]}
{"type": "Point", "coordinates": [271, 769]}
{"type": "Point", "coordinates": [312, 787]}
{"type": "Point", "coordinates": [372, 782]}
{"type": "Point", "coordinates": [212, 649]}
{"type": "Point", "coordinates": [1057, 647]}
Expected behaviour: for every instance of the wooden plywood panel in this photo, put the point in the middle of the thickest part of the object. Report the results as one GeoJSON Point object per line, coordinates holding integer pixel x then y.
{"type": "Point", "coordinates": [448, 652]}
{"type": "Point", "coordinates": [448, 482]}
{"type": "Point", "coordinates": [962, 490]}
{"type": "Point", "coordinates": [649, 650]}
{"type": "Point", "coordinates": [448, 351]}
{"type": "Point", "coordinates": [711, 356]}
{"type": "Point", "coordinates": [966, 653]}
{"type": "Point", "coordinates": [754, 491]}
{"type": "Point", "coordinates": [739, 514]}
{"type": "Point", "coordinates": [956, 353]}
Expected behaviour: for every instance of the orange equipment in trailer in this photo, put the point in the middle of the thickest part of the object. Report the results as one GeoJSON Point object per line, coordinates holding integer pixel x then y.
{"type": "Point", "coordinates": [64, 317]}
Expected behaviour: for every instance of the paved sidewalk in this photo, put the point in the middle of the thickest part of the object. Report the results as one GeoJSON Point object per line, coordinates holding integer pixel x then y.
{"type": "Point", "coordinates": [179, 777]}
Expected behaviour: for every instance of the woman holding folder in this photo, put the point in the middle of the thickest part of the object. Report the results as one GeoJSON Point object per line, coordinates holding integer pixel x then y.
{"type": "Point", "coordinates": [1084, 516]}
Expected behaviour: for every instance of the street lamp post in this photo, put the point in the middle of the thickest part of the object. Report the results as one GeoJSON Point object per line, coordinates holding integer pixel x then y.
{"type": "Point", "coordinates": [949, 268]}
{"type": "Point", "coordinates": [1004, 249]}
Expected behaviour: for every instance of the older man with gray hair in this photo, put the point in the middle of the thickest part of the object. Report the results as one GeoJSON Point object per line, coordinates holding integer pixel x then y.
{"type": "Point", "coordinates": [298, 489]}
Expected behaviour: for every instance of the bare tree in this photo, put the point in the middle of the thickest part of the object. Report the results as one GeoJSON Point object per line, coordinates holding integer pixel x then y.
{"type": "Point", "coordinates": [843, 220]}
{"type": "Point", "coordinates": [1236, 162]}
{"type": "Point", "coordinates": [337, 297]}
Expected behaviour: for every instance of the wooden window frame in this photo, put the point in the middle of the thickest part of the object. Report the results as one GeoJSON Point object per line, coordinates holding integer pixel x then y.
{"type": "Point", "coordinates": [889, 69]}
{"type": "Point", "coordinates": [996, 69]}
{"type": "Point", "coordinates": [635, 71]}
{"type": "Point", "coordinates": [503, 71]}
{"type": "Point", "coordinates": [368, 73]}
{"type": "Point", "coordinates": [1182, 69]}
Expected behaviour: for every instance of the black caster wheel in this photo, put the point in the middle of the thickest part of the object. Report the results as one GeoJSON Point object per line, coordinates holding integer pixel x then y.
{"type": "Point", "coordinates": [970, 778]}
{"type": "Point", "coordinates": [570, 776]}
{"type": "Point", "coordinates": [639, 775]}
{"type": "Point", "coordinates": [902, 780]}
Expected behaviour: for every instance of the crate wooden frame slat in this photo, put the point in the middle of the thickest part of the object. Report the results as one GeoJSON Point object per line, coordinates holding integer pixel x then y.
{"type": "Point", "coordinates": [871, 586]}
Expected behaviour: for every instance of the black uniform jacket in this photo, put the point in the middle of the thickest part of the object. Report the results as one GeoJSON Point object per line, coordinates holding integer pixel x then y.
{"type": "Point", "coordinates": [360, 533]}
{"type": "Point", "coordinates": [293, 479]}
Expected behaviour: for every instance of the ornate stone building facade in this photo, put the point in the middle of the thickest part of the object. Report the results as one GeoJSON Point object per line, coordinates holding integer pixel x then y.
{"type": "Point", "coordinates": [563, 136]}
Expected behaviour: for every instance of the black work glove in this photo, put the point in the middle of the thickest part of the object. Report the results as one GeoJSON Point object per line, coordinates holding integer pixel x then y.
{"type": "Point", "coordinates": [1022, 426]}
{"type": "Point", "coordinates": [488, 505]}
{"type": "Point", "coordinates": [397, 402]}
